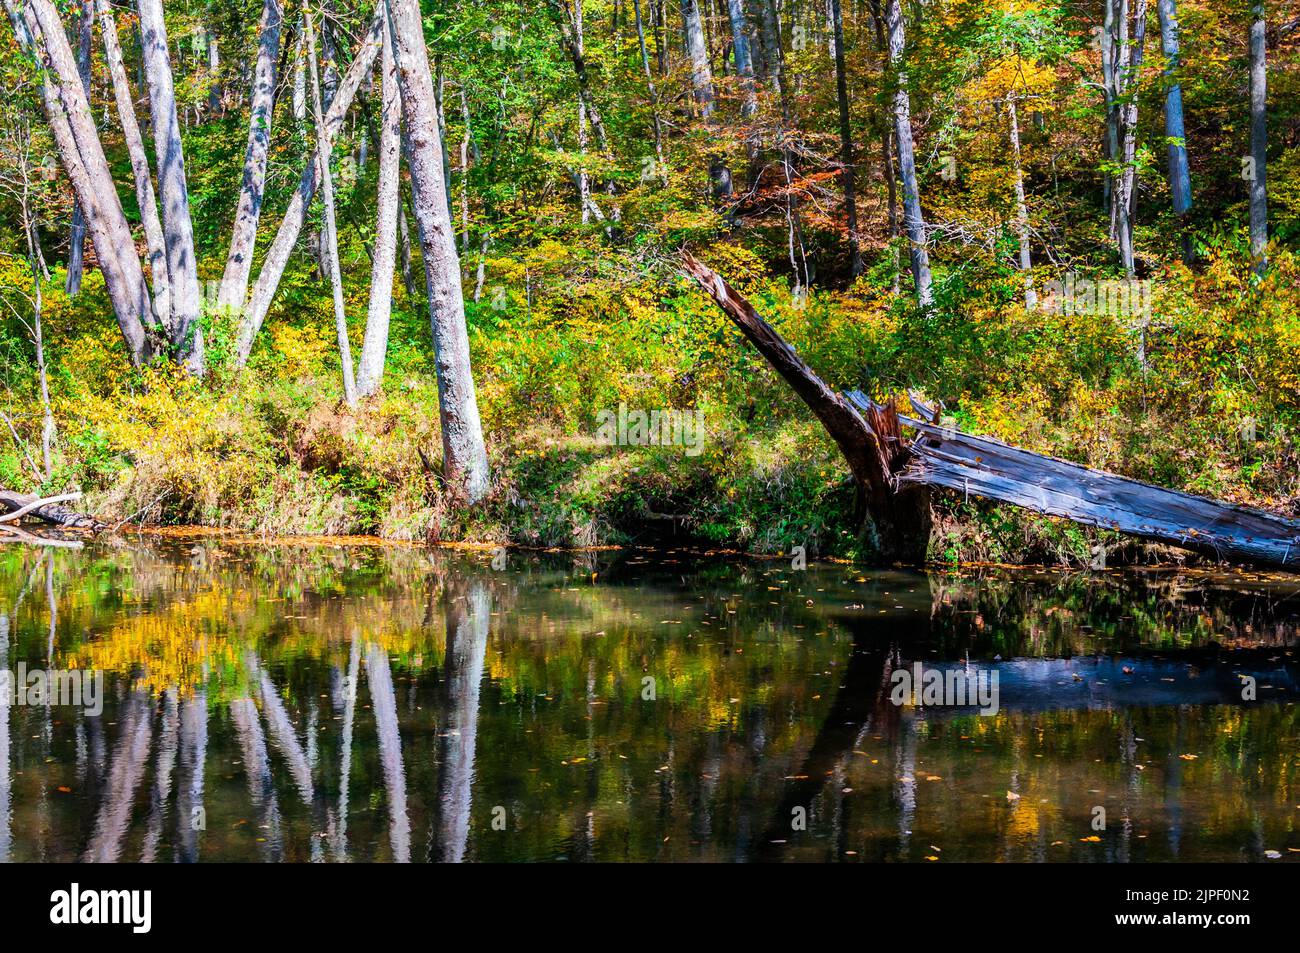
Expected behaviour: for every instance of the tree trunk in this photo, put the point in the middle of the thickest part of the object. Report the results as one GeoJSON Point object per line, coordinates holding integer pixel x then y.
{"type": "Point", "coordinates": [913, 220]}
{"type": "Point", "coordinates": [214, 73]}
{"type": "Point", "coordinates": [698, 52]}
{"type": "Point", "coordinates": [846, 141]}
{"type": "Point", "coordinates": [1109, 83]}
{"type": "Point", "coordinates": [330, 52]}
{"type": "Point", "coordinates": [464, 455]}
{"type": "Point", "coordinates": [743, 56]}
{"type": "Point", "coordinates": [77, 141]}
{"type": "Point", "coordinates": [465, 143]}
{"type": "Point", "coordinates": [371, 370]}
{"type": "Point", "coordinates": [1127, 203]}
{"type": "Point", "coordinates": [661, 172]}
{"type": "Point", "coordinates": [239, 261]}
{"type": "Point", "coordinates": [896, 525]}
{"type": "Point", "coordinates": [77, 242]}
{"type": "Point", "coordinates": [299, 80]}
{"type": "Point", "coordinates": [325, 146]}
{"type": "Point", "coordinates": [1022, 209]}
{"type": "Point", "coordinates": [178, 229]}
{"type": "Point", "coordinates": [1258, 139]}
{"type": "Point", "coordinates": [770, 34]}
{"type": "Point", "coordinates": [1180, 183]}
{"type": "Point", "coordinates": [144, 193]}
{"type": "Point", "coordinates": [277, 257]}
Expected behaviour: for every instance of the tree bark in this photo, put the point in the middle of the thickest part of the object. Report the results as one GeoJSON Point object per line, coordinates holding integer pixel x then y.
{"type": "Point", "coordinates": [277, 256]}
{"type": "Point", "coordinates": [661, 171]}
{"type": "Point", "coordinates": [239, 261]}
{"type": "Point", "coordinates": [77, 242]}
{"type": "Point", "coordinates": [698, 53]}
{"type": "Point", "coordinates": [1022, 208]}
{"type": "Point", "coordinates": [82, 156]}
{"type": "Point", "coordinates": [913, 220]}
{"type": "Point", "coordinates": [1180, 184]}
{"type": "Point", "coordinates": [1259, 139]}
{"type": "Point", "coordinates": [846, 141]}
{"type": "Point", "coordinates": [1110, 89]}
{"type": "Point", "coordinates": [299, 81]}
{"type": "Point", "coordinates": [1127, 204]}
{"type": "Point", "coordinates": [178, 229]}
{"type": "Point", "coordinates": [742, 55]}
{"type": "Point", "coordinates": [896, 525]}
{"type": "Point", "coordinates": [373, 349]}
{"type": "Point", "coordinates": [144, 193]}
{"type": "Point", "coordinates": [214, 73]}
{"type": "Point", "coordinates": [464, 455]}
{"type": "Point", "coordinates": [325, 147]}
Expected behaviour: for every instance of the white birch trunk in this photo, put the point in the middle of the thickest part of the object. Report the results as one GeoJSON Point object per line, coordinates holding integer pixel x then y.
{"type": "Point", "coordinates": [464, 455]}
{"type": "Point", "coordinates": [325, 147]}
{"type": "Point", "coordinates": [178, 229]}
{"type": "Point", "coordinates": [144, 193]}
{"type": "Point", "coordinates": [277, 256]}
{"type": "Point", "coordinates": [370, 372]}
{"type": "Point", "coordinates": [77, 141]}
{"type": "Point", "coordinates": [913, 220]}
{"type": "Point", "coordinates": [239, 261]}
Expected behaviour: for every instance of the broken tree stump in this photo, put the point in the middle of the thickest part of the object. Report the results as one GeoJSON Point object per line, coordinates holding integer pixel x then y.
{"type": "Point", "coordinates": [899, 520]}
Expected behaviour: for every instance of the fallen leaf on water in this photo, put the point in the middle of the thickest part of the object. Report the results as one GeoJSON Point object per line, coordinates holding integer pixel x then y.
{"type": "Point", "coordinates": [1188, 757]}
{"type": "Point", "coordinates": [1091, 839]}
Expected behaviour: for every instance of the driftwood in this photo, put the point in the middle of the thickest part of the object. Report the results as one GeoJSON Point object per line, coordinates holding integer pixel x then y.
{"type": "Point", "coordinates": [888, 466]}
{"type": "Point", "coordinates": [47, 509]}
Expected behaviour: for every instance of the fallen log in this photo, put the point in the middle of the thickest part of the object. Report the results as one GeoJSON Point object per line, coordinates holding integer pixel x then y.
{"type": "Point", "coordinates": [988, 468]}
{"type": "Point", "coordinates": [47, 509]}
{"type": "Point", "coordinates": [893, 471]}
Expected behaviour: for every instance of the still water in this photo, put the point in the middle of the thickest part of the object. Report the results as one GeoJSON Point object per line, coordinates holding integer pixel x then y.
{"type": "Point", "coordinates": [317, 702]}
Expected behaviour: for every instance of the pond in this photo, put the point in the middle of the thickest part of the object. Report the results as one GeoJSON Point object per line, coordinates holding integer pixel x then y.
{"type": "Point", "coordinates": [318, 701]}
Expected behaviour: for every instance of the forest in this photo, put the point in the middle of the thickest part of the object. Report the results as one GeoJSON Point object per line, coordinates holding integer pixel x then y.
{"type": "Point", "coordinates": [415, 270]}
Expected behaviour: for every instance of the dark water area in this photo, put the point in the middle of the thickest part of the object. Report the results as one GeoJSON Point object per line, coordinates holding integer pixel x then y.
{"type": "Point", "coordinates": [317, 702]}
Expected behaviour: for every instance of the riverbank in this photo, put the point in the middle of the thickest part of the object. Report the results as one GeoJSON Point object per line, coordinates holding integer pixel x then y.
{"type": "Point", "coordinates": [725, 455]}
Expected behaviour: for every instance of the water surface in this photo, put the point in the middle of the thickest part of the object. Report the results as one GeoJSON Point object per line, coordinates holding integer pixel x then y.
{"type": "Point", "coordinates": [316, 702]}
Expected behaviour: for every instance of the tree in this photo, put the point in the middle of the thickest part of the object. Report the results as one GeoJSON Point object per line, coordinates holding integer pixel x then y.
{"type": "Point", "coordinates": [239, 261]}
{"type": "Point", "coordinates": [38, 29]}
{"type": "Point", "coordinates": [286, 237]}
{"type": "Point", "coordinates": [913, 220]}
{"type": "Point", "coordinates": [698, 53]}
{"type": "Point", "coordinates": [178, 229]}
{"type": "Point", "coordinates": [740, 51]}
{"type": "Point", "coordinates": [846, 141]}
{"type": "Point", "coordinates": [1258, 138]}
{"type": "Point", "coordinates": [465, 463]}
{"type": "Point", "coordinates": [1129, 82]}
{"type": "Point", "coordinates": [144, 193]}
{"type": "Point", "coordinates": [1180, 185]}
{"type": "Point", "coordinates": [77, 252]}
{"type": "Point", "coordinates": [370, 371]}
{"type": "Point", "coordinates": [325, 147]}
